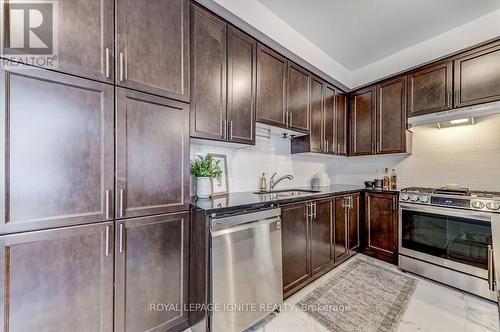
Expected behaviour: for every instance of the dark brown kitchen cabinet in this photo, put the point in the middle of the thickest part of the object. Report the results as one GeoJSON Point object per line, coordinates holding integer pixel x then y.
{"type": "Point", "coordinates": [152, 40]}
{"type": "Point", "coordinates": [363, 117]}
{"type": "Point", "coordinates": [341, 124]}
{"type": "Point", "coordinates": [151, 268]}
{"type": "Point", "coordinates": [381, 225]}
{"type": "Point", "coordinates": [271, 87]}
{"type": "Point", "coordinates": [315, 138]}
{"type": "Point", "coordinates": [354, 239]}
{"type": "Point", "coordinates": [208, 75]}
{"type": "Point", "coordinates": [58, 280]}
{"type": "Point", "coordinates": [89, 54]}
{"type": "Point", "coordinates": [321, 220]}
{"type": "Point", "coordinates": [340, 243]}
{"type": "Point", "coordinates": [241, 86]}
{"type": "Point", "coordinates": [57, 157]}
{"type": "Point", "coordinates": [430, 89]}
{"type": "Point", "coordinates": [477, 76]}
{"type": "Point", "coordinates": [298, 90]}
{"type": "Point", "coordinates": [295, 246]}
{"type": "Point", "coordinates": [152, 154]}
{"type": "Point", "coordinates": [391, 116]}
{"type": "Point", "coordinates": [329, 119]}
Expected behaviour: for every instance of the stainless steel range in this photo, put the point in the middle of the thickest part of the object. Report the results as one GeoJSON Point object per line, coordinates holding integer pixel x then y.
{"type": "Point", "coordinates": [452, 235]}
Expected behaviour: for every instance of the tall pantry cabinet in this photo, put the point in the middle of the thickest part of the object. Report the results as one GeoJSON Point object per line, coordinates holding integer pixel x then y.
{"type": "Point", "coordinates": [94, 173]}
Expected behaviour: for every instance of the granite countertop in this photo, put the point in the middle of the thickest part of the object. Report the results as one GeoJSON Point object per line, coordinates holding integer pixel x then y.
{"type": "Point", "coordinates": [250, 200]}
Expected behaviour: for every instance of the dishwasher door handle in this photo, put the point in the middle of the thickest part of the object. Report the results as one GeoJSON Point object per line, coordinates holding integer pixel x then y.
{"type": "Point", "coordinates": [242, 227]}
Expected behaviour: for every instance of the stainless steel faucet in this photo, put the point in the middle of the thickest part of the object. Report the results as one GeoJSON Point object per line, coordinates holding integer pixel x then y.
{"type": "Point", "coordinates": [273, 183]}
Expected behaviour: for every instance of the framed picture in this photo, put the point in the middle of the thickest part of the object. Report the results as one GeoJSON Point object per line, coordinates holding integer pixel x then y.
{"type": "Point", "coordinates": [220, 186]}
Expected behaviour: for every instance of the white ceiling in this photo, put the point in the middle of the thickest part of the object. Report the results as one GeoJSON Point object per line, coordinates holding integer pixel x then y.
{"type": "Point", "coordinates": [357, 33]}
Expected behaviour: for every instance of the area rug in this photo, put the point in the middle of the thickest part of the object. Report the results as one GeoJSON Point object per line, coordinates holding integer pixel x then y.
{"type": "Point", "coordinates": [361, 297]}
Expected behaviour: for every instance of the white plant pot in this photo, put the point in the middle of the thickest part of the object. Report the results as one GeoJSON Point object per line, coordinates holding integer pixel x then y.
{"type": "Point", "coordinates": [203, 187]}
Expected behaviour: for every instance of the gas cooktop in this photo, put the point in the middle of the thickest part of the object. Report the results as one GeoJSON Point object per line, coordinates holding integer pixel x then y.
{"type": "Point", "coordinates": [455, 197]}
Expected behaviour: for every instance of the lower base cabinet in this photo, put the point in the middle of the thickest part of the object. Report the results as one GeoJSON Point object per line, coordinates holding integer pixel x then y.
{"type": "Point", "coordinates": [151, 273]}
{"type": "Point", "coordinates": [316, 236]}
{"type": "Point", "coordinates": [58, 280]}
{"type": "Point", "coordinates": [381, 226]}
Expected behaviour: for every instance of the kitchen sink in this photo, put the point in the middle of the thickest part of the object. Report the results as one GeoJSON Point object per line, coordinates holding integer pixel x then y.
{"type": "Point", "coordinates": [288, 192]}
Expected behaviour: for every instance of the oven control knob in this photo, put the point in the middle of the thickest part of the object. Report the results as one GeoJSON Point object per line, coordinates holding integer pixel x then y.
{"type": "Point", "coordinates": [424, 198]}
{"type": "Point", "coordinates": [414, 198]}
{"type": "Point", "coordinates": [404, 197]}
{"type": "Point", "coordinates": [493, 205]}
{"type": "Point", "coordinates": [478, 204]}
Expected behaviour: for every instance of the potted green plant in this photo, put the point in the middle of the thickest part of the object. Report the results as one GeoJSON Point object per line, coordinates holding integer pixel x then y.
{"type": "Point", "coordinates": [205, 168]}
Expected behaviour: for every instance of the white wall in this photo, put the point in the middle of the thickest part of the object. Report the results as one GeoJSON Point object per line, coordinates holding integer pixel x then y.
{"type": "Point", "coordinates": [246, 165]}
{"type": "Point", "coordinates": [466, 155]}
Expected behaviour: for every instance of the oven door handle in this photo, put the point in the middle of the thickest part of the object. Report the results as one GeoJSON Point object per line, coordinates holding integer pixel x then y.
{"type": "Point", "coordinates": [446, 211]}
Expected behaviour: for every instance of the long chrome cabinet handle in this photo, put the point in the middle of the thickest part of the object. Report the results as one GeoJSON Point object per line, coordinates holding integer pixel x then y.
{"type": "Point", "coordinates": [491, 269]}
{"type": "Point", "coordinates": [315, 210]}
{"type": "Point", "coordinates": [122, 66]}
{"type": "Point", "coordinates": [286, 119]}
{"type": "Point", "coordinates": [122, 203]}
{"type": "Point", "coordinates": [291, 119]}
{"type": "Point", "coordinates": [106, 69]}
{"type": "Point", "coordinates": [106, 205]}
{"type": "Point", "coordinates": [231, 129]}
{"type": "Point", "coordinates": [307, 210]}
{"type": "Point", "coordinates": [107, 241]}
{"type": "Point", "coordinates": [121, 237]}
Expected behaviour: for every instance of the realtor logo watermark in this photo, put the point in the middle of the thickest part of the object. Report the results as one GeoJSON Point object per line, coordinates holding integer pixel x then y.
{"type": "Point", "coordinates": [30, 33]}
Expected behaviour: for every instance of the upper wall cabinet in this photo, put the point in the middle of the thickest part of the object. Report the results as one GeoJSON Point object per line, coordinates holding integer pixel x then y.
{"type": "Point", "coordinates": [299, 81]}
{"type": "Point", "coordinates": [208, 75]}
{"type": "Point", "coordinates": [153, 47]}
{"type": "Point", "coordinates": [272, 71]}
{"type": "Point", "coordinates": [477, 76]}
{"type": "Point", "coordinates": [223, 72]}
{"type": "Point", "coordinates": [363, 103]}
{"type": "Point", "coordinates": [329, 119]}
{"type": "Point", "coordinates": [430, 89]}
{"type": "Point", "coordinates": [391, 116]}
{"type": "Point", "coordinates": [56, 161]}
{"type": "Point", "coordinates": [85, 37]}
{"type": "Point", "coordinates": [241, 86]}
{"type": "Point", "coordinates": [341, 121]}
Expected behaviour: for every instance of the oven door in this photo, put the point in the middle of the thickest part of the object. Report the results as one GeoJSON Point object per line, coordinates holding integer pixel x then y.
{"type": "Point", "coordinates": [456, 239]}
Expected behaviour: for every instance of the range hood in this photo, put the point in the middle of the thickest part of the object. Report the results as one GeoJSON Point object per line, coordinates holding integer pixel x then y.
{"type": "Point", "coordinates": [457, 113]}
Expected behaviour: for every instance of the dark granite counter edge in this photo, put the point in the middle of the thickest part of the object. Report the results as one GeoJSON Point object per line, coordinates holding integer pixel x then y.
{"type": "Point", "coordinates": [303, 198]}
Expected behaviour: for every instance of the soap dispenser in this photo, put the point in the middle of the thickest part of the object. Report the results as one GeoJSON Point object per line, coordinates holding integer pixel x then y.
{"type": "Point", "coordinates": [263, 182]}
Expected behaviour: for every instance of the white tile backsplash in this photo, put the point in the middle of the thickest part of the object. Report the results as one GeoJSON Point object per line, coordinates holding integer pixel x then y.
{"type": "Point", "coordinates": [466, 155]}
{"type": "Point", "coordinates": [269, 155]}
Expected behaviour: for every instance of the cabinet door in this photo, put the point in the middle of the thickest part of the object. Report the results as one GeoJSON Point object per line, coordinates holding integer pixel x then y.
{"type": "Point", "coordinates": [341, 124]}
{"type": "Point", "coordinates": [56, 139]}
{"type": "Point", "coordinates": [477, 76]}
{"type": "Point", "coordinates": [381, 223]}
{"type": "Point", "coordinates": [362, 122]}
{"type": "Point", "coordinates": [295, 246]}
{"type": "Point", "coordinates": [208, 73]}
{"type": "Point", "coordinates": [271, 87]}
{"type": "Point", "coordinates": [330, 122]}
{"type": "Point", "coordinates": [340, 250]}
{"type": "Point", "coordinates": [391, 116]}
{"type": "Point", "coordinates": [430, 89]}
{"type": "Point", "coordinates": [151, 268]}
{"type": "Point", "coordinates": [299, 81]}
{"type": "Point", "coordinates": [241, 86]}
{"type": "Point", "coordinates": [321, 235]}
{"type": "Point", "coordinates": [153, 47]}
{"type": "Point", "coordinates": [316, 137]}
{"type": "Point", "coordinates": [353, 219]}
{"type": "Point", "coordinates": [152, 154]}
{"type": "Point", "coordinates": [58, 280]}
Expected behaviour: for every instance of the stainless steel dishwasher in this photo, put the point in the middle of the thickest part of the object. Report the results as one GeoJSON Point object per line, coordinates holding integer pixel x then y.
{"type": "Point", "coordinates": [245, 268]}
